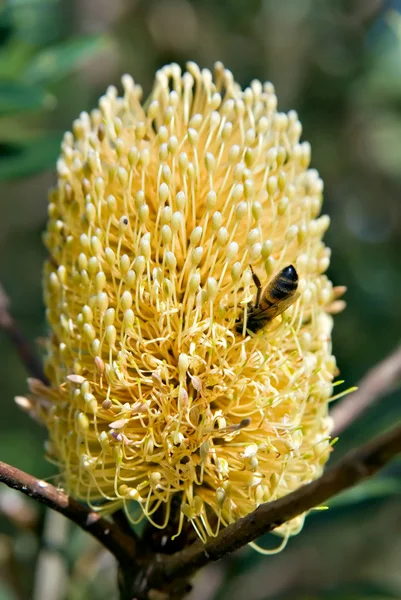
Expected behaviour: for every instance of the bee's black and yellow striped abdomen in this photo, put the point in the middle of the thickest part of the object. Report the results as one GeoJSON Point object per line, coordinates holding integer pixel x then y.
{"type": "Point", "coordinates": [278, 295]}
{"type": "Point", "coordinates": [283, 285]}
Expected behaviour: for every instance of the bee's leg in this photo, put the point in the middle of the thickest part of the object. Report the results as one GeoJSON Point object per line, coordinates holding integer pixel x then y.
{"type": "Point", "coordinates": [256, 281]}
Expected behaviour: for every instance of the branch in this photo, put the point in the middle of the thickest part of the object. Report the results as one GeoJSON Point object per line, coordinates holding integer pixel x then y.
{"type": "Point", "coordinates": [353, 468]}
{"type": "Point", "coordinates": [122, 546]}
{"type": "Point", "coordinates": [7, 322]}
{"type": "Point", "coordinates": [380, 380]}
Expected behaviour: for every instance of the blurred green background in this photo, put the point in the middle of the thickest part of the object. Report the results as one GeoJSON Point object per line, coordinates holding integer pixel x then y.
{"type": "Point", "coordinates": [338, 63]}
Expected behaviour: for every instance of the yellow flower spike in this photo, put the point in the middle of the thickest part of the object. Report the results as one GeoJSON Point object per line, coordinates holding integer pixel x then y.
{"type": "Point", "coordinates": [159, 212]}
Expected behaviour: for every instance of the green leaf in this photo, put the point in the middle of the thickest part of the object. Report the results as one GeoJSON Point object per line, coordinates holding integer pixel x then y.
{"type": "Point", "coordinates": [379, 487]}
{"type": "Point", "coordinates": [14, 56]}
{"type": "Point", "coordinates": [6, 593]}
{"type": "Point", "coordinates": [352, 591]}
{"type": "Point", "coordinates": [56, 62]}
{"type": "Point", "coordinates": [32, 157]}
{"type": "Point", "coordinates": [18, 97]}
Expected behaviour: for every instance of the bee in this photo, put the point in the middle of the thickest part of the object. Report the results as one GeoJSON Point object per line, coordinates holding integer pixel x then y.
{"type": "Point", "coordinates": [277, 296]}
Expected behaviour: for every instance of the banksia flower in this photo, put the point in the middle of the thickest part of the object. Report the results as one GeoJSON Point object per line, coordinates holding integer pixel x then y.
{"type": "Point", "coordinates": [164, 216]}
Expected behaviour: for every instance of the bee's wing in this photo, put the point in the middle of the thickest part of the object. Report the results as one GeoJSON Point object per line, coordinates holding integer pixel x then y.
{"type": "Point", "coordinates": [284, 304]}
{"type": "Point", "coordinates": [274, 310]}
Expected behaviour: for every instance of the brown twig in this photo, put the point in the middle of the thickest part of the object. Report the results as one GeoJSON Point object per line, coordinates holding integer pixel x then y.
{"type": "Point", "coordinates": [8, 323]}
{"type": "Point", "coordinates": [122, 522]}
{"type": "Point", "coordinates": [122, 546]}
{"type": "Point", "coordinates": [380, 380]}
{"type": "Point", "coordinates": [353, 468]}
